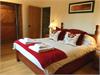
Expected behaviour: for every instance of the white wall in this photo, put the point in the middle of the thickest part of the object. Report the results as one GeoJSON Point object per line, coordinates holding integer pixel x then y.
{"type": "Point", "coordinates": [97, 12]}
{"type": "Point", "coordinates": [83, 21]}
{"type": "Point", "coordinates": [59, 13]}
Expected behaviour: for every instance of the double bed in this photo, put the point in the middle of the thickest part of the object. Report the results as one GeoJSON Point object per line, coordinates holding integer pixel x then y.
{"type": "Point", "coordinates": [61, 59]}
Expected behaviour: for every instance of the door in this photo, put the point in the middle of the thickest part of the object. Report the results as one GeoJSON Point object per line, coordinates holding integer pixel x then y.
{"type": "Point", "coordinates": [10, 26]}
{"type": "Point", "coordinates": [8, 22]}
{"type": "Point", "coordinates": [34, 22]}
{"type": "Point", "coordinates": [45, 21]}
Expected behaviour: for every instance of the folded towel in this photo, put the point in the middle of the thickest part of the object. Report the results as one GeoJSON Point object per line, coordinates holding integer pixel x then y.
{"type": "Point", "coordinates": [28, 40]}
{"type": "Point", "coordinates": [40, 48]}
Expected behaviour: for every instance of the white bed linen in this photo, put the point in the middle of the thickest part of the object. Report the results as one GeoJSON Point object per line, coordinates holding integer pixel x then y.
{"type": "Point", "coordinates": [73, 52]}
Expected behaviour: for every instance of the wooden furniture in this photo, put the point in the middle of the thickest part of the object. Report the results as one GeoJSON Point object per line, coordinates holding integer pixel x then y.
{"type": "Point", "coordinates": [34, 68]}
{"type": "Point", "coordinates": [66, 69]}
{"type": "Point", "coordinates": [10, 21]}
{"type": "Point", "coordinates": [96, 60]}
{"type": "Point", "coordinates": [10, 25]}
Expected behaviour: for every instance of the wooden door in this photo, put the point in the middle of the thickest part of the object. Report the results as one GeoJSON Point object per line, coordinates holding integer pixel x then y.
{"type": "Point", "coordinates": [8, 22]}
{"type": "Point", "coordinates": [45, 21]}
{"type": "Point", "coordinates": [34, 22]}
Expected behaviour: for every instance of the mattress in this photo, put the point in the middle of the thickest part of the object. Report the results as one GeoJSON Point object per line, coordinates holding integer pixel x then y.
{"type": "Point", "coordinates": [73, 52]}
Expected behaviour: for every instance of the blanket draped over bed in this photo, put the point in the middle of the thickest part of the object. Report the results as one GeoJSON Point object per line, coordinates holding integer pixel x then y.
{"type": "Point", "coordinates": [45, 58]}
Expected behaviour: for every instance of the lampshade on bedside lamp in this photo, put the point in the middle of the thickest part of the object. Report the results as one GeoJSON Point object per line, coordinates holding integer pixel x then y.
{"type": "Point", "coordinates": [98, 35]}
{"type": "Point", "coordinates": [52, 26]}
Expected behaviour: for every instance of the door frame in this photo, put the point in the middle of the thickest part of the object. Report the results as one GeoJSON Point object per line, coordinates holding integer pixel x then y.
{"type": "Point", "coordinates": [19, 19]}
{"type": "Point", "coordinates": [42, 20]}
{"type": "Point", "coordinates": [20, 27]}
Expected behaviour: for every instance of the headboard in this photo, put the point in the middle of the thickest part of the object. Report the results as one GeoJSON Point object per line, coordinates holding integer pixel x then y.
{"type": "Point", "coordinates": [79, 31]}
{"type": "Point", "coordinates": [75, 31]}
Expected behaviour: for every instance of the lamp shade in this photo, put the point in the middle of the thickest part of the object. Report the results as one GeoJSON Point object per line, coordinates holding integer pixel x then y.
{"type": "Point", "coordinates": [52, 25]}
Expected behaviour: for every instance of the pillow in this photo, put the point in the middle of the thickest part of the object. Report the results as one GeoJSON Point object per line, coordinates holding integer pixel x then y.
{"type": "Point", "coordinates": [54, 36]}
{"type": "Point", "coordinates": [80, 39]}
{"type": "Point", "coordinates": [57, 29]}
{"type": "Point", "coordinates": [71, 38]}
{"type": "Point", "coordinates": [89, 40]}
{"type": "Point", "coordinates": [62, 34]}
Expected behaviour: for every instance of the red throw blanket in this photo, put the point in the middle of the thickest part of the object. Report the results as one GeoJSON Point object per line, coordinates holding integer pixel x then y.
{"type": "Point", "coordinates": [45, 58]}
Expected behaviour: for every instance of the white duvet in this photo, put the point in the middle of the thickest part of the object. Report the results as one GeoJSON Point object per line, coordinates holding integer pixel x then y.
{"type": "Point", "coordinates": [73, 52]}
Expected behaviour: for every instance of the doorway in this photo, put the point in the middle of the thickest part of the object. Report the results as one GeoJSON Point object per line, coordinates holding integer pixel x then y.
{"type": "Point", "coordinates": [45, 21]}
{"type": "Point", "coordinates": [11, 25]}
{"type": "Point", "coordinates": [34, 21]}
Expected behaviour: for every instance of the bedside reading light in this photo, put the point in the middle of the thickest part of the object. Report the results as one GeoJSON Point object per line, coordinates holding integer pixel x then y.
{"type": "Point", "coordinates": [52, 26]}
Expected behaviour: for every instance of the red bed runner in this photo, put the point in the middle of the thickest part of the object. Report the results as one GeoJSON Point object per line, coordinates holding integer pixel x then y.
{"type": "Point", "coordinates": [45, 58]}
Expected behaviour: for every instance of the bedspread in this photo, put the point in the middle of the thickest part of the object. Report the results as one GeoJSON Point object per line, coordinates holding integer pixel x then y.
{"type": "Point", "coordinates": [45, 58]}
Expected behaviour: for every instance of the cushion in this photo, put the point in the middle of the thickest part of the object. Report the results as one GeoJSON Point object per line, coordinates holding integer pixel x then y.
{"type": "Point", "coordinates": [54, 36]}
{"type": "Point", "coordinates": [81, 37]}
{"type": "Point", "coordinates": [74, 31]}
{"type": "Point", "coordinates": [71, 38]}
{"type": "Point", "coordinates": [62, 34]}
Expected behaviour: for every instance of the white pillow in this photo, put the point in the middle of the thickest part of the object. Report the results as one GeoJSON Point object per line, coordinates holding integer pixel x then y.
{"type": "Point", "coordinates": [89, 40]}
{"type": "Point", "coordinates": [54, 36]}
{"type": "Point", "coordinates": [70, 38]}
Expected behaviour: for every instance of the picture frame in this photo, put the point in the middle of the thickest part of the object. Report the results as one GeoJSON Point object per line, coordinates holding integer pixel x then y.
{"type": "Point", "coordinates": [81, 7]}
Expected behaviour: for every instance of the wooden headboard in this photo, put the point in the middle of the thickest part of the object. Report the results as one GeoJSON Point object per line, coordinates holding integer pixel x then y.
{"type": "Point", "coordinates": [76, 31]}
{"type": "Point", "coordinates": [80, 31]}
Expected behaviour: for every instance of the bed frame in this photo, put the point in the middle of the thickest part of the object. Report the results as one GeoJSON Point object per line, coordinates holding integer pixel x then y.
{"type": "Point", "coordinates": [66, 69]}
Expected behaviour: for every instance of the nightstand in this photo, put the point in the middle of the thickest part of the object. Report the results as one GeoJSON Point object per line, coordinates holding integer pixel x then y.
{"type": "Point", "coordinates": [96, 61]}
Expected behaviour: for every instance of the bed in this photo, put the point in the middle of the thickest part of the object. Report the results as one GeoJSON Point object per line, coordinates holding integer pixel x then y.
{"type": "Point", "coordinates": [68, 55]}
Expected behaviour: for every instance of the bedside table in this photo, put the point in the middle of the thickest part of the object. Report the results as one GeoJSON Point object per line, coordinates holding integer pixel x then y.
{"type": "Point", "coordinates": [96, 61]}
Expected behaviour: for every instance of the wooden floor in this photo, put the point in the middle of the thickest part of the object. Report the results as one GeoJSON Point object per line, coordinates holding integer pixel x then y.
{"type": "Point", "coordinates": [9, 65]}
